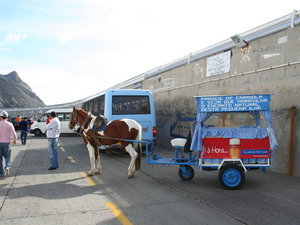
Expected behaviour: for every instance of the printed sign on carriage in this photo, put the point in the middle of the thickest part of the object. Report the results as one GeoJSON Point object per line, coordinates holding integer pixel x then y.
{"type": "Point", "coordinates": [234, 103]}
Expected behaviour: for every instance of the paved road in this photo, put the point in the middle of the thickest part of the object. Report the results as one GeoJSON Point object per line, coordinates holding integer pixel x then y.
{"type": "Point", "coordinates": [33, 195]}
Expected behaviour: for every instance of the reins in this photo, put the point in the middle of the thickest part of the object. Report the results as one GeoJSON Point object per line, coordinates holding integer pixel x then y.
{"type": "Point", "coordinates": [94, 135]}
{"type": "Point", "coordinates": [111, 138]}
{"type": "Point", "coordinates": [85, 123]}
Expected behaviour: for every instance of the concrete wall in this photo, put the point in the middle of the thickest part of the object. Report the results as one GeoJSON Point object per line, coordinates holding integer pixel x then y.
{"type": "Point", "coordinates": [266, 65]}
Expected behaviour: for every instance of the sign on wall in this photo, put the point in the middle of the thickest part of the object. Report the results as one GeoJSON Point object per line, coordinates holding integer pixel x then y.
{"type": "Point", "coordinates": [218, 64]}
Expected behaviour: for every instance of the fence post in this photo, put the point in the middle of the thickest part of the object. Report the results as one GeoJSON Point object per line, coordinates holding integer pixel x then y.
{"type": "Point", "coordinates": [292, 141]}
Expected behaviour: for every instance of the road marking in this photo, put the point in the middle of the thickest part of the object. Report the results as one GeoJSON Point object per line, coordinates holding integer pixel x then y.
{"type": "Point", "coordinates": [120, 216]}
{"type": "Point", "coordinates": [71, 159]}
{"type": "Point", "coordinates": [61, 148]}
{"type": "Point", "coordinates": [88, 179]}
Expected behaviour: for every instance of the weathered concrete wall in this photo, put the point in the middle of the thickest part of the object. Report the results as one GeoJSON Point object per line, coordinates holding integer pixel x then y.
{"type": "Point", "coordinates": [267, 65]}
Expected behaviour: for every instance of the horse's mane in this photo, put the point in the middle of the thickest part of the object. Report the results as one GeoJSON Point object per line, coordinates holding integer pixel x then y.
{"type": "Point", "coordinates": [81, 111]}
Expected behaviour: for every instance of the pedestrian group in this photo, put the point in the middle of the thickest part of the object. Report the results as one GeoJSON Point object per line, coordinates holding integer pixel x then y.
{"type": "Point", "coordinates": [8, 137]}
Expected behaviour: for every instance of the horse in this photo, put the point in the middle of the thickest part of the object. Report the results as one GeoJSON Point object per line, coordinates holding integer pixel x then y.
{"type": "Point", "coordinates": [97, 131]}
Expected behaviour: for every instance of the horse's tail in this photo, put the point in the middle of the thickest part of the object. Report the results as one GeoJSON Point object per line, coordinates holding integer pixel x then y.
{"type": "Point", "coordinates": [138, 147]}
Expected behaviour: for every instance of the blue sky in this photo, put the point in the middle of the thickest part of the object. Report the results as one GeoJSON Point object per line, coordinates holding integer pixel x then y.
{"type": "Point", "coordinates": [59, 47]}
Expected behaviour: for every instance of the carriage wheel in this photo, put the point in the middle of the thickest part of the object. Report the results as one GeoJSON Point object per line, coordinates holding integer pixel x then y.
{"type": "Point", "coordinates": [186, 172]}
{"type": "Point", "coordinates": [232, 177]}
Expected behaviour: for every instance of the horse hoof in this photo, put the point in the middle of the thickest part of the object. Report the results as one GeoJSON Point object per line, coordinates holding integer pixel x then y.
{"type": "Point", "coordinates": [130, 176]}
{"type": "Point", "coordinates": [90, 174]}
{"type": "Point", "coordinates": [98, 172]}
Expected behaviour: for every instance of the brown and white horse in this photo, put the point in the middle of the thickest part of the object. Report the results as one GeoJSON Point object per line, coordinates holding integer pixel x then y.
{"type": "Point", "coordinates": [114, 131]}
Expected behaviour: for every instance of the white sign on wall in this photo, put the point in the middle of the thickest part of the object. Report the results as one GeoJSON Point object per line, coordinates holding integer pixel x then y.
{"type": "Point", "coordinates": [218, 64]}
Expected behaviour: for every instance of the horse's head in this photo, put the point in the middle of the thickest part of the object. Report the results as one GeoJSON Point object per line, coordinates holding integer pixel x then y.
{"type": "Point", "coordinates": [73, 118]}
{"type": "Point", "coordinates": [77, 117]}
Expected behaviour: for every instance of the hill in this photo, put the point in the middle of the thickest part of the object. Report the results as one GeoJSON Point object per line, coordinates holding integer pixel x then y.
{"type": "Point", "coordinates": [14, 93]}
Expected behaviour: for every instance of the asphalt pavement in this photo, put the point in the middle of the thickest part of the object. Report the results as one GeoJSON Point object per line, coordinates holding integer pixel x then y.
{"type": "Point", "coordinates": [156, 195]}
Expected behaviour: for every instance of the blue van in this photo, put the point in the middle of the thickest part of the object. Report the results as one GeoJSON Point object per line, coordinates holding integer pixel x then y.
{"type": "Point", "coordinates": [133, 104]}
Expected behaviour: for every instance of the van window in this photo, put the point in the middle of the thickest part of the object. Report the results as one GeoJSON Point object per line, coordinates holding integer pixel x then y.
{"type": "Point", "coordinates": [43, 118]}
{"type": "Point", "coordinates": [67, 117]}
{"type": "Point", "coordinates": [63, 116]}
{"type": "Point", "coordinates": [60, 117]}
{"type": "Point", "coordinates": [130, 105]}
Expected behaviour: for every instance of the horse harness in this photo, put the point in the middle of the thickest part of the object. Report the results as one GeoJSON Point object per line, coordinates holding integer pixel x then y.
{"type": "Point", "coordinates": [99, 125]}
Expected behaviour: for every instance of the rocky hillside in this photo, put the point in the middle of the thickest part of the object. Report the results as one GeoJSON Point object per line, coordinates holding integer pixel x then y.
{"type": "Point", "coordinates": [14, 93]}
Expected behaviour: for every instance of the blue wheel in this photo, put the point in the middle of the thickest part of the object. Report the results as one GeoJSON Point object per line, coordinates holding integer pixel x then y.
{"type": "Point", "coordinates": [186, 172]}
{"type": "Point", "coordinates": [232, 177]}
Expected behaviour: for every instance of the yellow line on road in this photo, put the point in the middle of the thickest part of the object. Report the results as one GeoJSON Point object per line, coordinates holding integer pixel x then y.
{"type": "Point", "coordinates": [88, 179]}
{"type": "Point", "coordinates": [120, 216]}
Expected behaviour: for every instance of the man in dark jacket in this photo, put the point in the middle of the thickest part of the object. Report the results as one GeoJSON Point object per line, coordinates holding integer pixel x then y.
{"type": "Point", "coordinates": [24, 125]}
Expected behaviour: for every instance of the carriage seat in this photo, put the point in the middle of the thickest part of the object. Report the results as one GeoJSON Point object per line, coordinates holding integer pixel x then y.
{"type": "Point", "coordinates": [178, 143]}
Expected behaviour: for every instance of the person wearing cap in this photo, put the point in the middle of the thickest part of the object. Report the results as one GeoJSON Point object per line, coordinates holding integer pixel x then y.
{"type": "Point", "coordinates": [53, 132]}
{"type": "Point", "coordinates": [7, 136]}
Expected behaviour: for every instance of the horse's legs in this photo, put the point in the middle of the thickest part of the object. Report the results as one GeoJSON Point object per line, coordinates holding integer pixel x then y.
{"type": "Point", "coordinates": [92, 159]}
{"type": "Point", "coordinates": [133, 154]}
{"type": "Point", "coordinates": [98, 164]}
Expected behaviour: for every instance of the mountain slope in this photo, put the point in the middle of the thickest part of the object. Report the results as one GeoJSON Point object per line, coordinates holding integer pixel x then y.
{"type": "Point", "coordinates": [14, 93]}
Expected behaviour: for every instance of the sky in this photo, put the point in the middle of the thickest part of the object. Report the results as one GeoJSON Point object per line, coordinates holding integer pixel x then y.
{"type": "Point", "coordinates": [67, 50]}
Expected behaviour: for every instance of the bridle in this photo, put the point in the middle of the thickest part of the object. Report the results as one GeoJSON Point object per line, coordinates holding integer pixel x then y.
{"type": "Point", "coordinates": [73, 117]}
{"type": "Point", "coordinates": [83, 125]}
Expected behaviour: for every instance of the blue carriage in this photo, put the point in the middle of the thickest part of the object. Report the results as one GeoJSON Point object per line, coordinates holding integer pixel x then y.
{"type": "Point", "coordinates": [231, 150]}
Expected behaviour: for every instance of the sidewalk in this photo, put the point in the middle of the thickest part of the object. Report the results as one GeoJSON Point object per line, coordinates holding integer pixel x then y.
{"type": "Point", "coordinates": [17, 155]}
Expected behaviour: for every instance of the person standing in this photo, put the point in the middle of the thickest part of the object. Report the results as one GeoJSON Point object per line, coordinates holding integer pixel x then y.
{"type": "Point", "coordinates": [53, 132]}
{"type": "Point", "coordinates": [7, 136]}
{"type": "Point", "coordinates": [30, 121]}
{"type": "Point", "coordinates": [24, 125]}
{"type": "Point", "coordinates": [18, 121]}
{"type": "Point", "coordinates": [48, 119]}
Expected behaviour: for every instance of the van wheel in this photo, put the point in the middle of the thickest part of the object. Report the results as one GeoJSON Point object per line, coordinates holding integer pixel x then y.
{"type": "Point", "coordinates": [37, 133]}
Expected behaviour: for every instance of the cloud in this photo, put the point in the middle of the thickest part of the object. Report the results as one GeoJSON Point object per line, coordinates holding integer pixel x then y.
{"type": "Point", "coordinates": [2, 48]}
{"type": "Point", "coordinates": [50, 82]}
{"type": "Point", "coordinates": [13, 38]}
{"type": "Point", "coordinates": [98, 44]}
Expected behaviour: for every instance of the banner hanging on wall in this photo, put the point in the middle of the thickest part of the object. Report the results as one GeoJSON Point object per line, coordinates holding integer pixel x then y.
{"type": "Point", "coordinates": [218, 64]}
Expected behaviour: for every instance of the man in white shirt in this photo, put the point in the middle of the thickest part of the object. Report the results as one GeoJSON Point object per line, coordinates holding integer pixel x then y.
{"type": "Point", "coordinates": [53, 132]}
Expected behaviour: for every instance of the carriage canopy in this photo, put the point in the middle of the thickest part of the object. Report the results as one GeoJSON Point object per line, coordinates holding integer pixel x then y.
{"type": "Point", "coordinates": [256, 105]}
